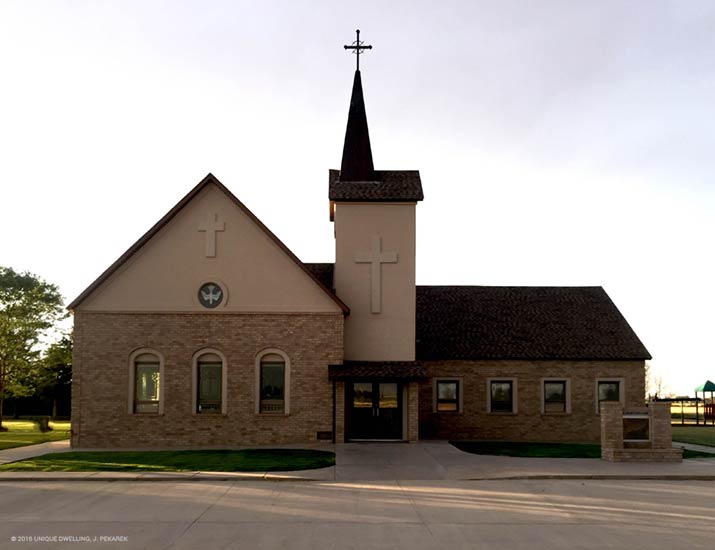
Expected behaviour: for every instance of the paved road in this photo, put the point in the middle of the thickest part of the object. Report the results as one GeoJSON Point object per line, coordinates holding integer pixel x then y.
{"type": "Point", "coordinates": [530, 514]}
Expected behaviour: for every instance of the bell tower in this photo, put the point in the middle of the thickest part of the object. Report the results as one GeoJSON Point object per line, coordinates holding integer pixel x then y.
{"type": "Point", "coordinates": [374, 216]}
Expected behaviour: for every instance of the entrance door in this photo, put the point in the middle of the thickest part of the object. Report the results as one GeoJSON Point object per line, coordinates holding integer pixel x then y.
{"type": "Point", "coordinates": [374, 410]}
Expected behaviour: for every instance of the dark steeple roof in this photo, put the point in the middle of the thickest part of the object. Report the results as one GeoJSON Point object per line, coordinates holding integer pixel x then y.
{"type": "Point", "coordinates": [357, 156]}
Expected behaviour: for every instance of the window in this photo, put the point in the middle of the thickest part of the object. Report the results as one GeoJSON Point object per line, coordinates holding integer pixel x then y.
{"type": "Point", "coordinates": [554, 396]}
{"type": "Point", "coordinates": [609, 390]}
{"type": "Point", "coordinates": [501, 396]}
{"type": "Point", "coordinates": [273, 382]}
{"type": "Point", "coordinates": [146, 368]}
{"type": "Point", "coordinates": [447, 396]}
{"type": "Point", "coordinates": [209, 382]}
{"type": "Point", "coordinates": [209, 398]}
{"type": "Point", "coordinates": [147, 385]}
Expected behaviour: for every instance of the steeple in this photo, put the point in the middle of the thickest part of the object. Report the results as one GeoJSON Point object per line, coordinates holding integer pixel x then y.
{"type": "Point", "coordinates": [374, 215]}
{"type": "Point", "coordinates": [357, 156]}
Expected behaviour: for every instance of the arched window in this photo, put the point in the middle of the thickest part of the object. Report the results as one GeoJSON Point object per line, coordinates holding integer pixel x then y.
{"type": "Point", "coordinates": [209, 376]}
{"type": "Point", "coordinates": [273, 382]}
{"type": "Point", "coordinates": [146, 387]}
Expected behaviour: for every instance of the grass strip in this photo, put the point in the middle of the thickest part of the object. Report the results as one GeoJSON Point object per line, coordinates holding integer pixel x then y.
{"type": "Point", "coordinates": [24, 432]}
{"type": "Point", "coordinates": [698, 435]}
{"type": "Point", "coordinates": [544, 450]}
{"type": "Point", "coordinates": [248, 460]}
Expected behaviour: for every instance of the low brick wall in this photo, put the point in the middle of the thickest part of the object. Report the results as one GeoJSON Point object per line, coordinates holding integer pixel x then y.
{"type": "Point", "coordinates": [657, 448]}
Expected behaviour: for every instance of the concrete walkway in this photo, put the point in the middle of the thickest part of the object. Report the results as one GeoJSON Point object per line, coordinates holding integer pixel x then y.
{"type": "Point", "coordinates": [28, 451]}
{"type": "Point", "coordinates": [694, 447]}
{"type": "Point", "coordinates": [433, 460]}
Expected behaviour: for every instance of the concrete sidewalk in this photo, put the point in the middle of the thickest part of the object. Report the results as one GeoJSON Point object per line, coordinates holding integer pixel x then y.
{"type": "Point", "coordinates": [28, 451]}
{"type": "Point", "coordinates": [694, 447]}
{"type": "Point", "coordinates": [433, 460]}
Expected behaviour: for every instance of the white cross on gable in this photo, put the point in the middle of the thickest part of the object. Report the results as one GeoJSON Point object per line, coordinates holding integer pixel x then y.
{"type": "Point", "coordinates": [376, 257]}
{"type": "Point", "coordinates": [211, 225]}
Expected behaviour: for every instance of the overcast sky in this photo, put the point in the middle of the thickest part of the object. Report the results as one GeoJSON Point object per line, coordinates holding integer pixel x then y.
{"type": "Point", "coordinates": [559, 142]}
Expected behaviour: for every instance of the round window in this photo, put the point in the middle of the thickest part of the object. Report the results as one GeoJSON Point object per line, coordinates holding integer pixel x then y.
{"type": "Point", "coordinates": [210, 295]}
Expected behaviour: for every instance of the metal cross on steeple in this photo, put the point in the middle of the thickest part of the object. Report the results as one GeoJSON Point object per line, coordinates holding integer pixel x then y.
{"type": "Point", "coordinates": [358, 47]}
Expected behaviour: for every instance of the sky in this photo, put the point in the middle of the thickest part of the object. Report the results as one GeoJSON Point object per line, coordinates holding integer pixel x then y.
{"type": "Point", "coordinates": [560, 142]}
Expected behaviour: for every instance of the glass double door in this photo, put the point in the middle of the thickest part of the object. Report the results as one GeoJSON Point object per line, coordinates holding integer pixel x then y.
{"type": "Point", "coordinates": [374, 410]}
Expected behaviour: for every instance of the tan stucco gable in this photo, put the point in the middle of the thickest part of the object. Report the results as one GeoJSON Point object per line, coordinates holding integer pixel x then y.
{"type": "Point", "coordinates": [164, 270]}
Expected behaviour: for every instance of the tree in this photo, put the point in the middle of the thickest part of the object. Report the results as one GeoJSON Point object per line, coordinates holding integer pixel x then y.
{"type": "Point", "coordinates": [54, 373]}
{"type": "Point", "coordinates": [29, 307]}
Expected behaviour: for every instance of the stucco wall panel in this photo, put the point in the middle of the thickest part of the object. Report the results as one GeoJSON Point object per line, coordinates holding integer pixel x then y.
{"type": "Point", "coordinates": [390, 334]}
{"type": "Point", "coordinates": [166, 273]}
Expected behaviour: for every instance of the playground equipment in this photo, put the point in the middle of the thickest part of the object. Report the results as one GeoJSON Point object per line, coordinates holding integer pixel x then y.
{"type": "Point", "coordinates": [708, 408]}
{"type": "Point", "coordinates": [698, 411]}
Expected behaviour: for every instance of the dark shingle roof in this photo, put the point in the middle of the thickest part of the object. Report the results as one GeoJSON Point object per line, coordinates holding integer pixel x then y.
{"type": "Point", "coordinates": [352, 370]}
{"type": "Point", "coordinates": [357, 155]}
{"type": "Point", "coordinates": [390, 185]}
{"type": "Point", "coordinates": [480, 322]}
{"type": "Point", "coordinates": [322, 272]}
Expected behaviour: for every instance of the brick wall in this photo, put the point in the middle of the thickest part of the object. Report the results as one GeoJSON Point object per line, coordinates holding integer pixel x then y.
{"type": "Point", "coordinates": [412, 412]}
{"type": "Point", "coordinates": [104, 341]}
{"type": "Point", "coordinates": [657, 448]}
{"type": "Point", "coordinates": [528, 424]}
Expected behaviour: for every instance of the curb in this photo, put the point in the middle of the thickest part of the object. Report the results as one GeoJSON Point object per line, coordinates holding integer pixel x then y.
{"type": "Point", "coordinates": [586, 477]}
{"type": "Point", "coordinates": [276, 478]}
{"type": "Point", "coordinates": [159, 479]}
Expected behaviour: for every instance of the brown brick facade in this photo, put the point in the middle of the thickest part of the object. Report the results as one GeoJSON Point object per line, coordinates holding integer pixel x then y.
{"type": "Point", "coordinates": [528, 423]}
{"type": "Point", "coordinates": [103, 344]}
{"type": "Point", "coordinates": [105, 341]}
{"type": "Point", "coordinates": [657, 447]}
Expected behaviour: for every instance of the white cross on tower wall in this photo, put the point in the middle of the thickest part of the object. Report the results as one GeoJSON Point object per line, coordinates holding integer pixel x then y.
{"type": "Point", "coordinates": [376, 257]}
{"type": "Point", "coordinates": [211, 225]}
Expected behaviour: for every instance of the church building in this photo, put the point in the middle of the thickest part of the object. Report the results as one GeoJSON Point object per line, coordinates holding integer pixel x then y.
{"type": "Point", "coordinates": [210, 332]}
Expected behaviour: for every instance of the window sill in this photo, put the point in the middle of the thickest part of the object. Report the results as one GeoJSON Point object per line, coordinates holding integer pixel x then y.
{"type": "Point", "coordinates": [271, 415]}
{"type": "Point", "coordinates": [565, 413]}
{"type": "Point", "coordinates": [209, 415]}
{"type": "Point", "coordinates": [503, 413]}
{"type": "Point", "coordinates": [451, 413]}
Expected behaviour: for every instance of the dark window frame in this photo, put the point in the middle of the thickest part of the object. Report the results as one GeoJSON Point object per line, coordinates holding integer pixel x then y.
{"type": "Point", "coordinates": [605, 381]}
{"type": "Point", "coordinates": [138, 402]}
{"type": "Point", "coordinates": [456, 401]}
{"type": "Point", "coordinates": [212, 406]}
{"type": "Point", "coordinates": [271, 408]}
{"type": "Point", "coordinates": [564, 402]}
{"type": "Point", "coordinates": [501, 404]}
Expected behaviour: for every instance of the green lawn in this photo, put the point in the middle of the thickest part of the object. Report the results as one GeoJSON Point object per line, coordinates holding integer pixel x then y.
{"type": "Point", "coordinates": [544, 450]}
{"type": "Point", "coordinates": [699, 435]}
{"type": "Point", "coordinates": [250, 460]}
{"type": "Point", "coordinates": [25, 432]}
